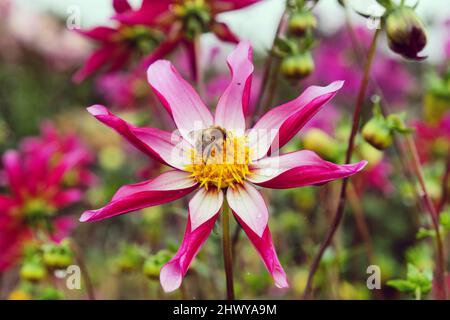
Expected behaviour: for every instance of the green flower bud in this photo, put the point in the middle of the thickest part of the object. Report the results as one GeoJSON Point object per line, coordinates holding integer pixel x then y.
{"type": "Point", "coordinates": [33, 271]}
{"type": "Point", "coordinates": [154, 263]}
{"type": "Point", "coordinates": [377, 133]}
{"type": "Point", "coordinates": [320, 142]}
{"type": "Point", "coordinates": [405, 32]}
{"type": "Point", "coordinates": [57, 256]}
{"type": "Point", "coordinates": [300, 22]}
{"type": "Point", "coordinates": [298, 66]}
{"type": "Point", "coordinates": [130, 258]}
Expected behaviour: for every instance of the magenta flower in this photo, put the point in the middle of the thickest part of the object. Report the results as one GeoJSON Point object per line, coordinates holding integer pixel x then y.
{"type": "Point", "coordinates": [117, 44]}
{"type": "Point", "coordinates": [433, 139]}
{"type": "Point", "coordinates": [230, 166]}
{"type": "Point", "coordinates": [182, 20]}
{"type": "Point", "coordinates": [35, 195]}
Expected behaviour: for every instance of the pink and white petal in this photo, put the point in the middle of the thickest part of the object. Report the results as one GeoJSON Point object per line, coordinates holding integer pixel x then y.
{"type": "Point", "coordinates": [179, 98]}
{"type": "Point", "coordinates": [223, 32]}
{"type": "Point", "coordinates": [172, 273]}
{"type": "Point", "coordinates": [121, 6]}
{"type": "Point", "coordinates": [280, 124]}
{"type": "Point", "coordinates": [96, 61]}
{"type": "Point", "coordinates": [264, 245]}
{"type": "Point", "coordinates": [298, 169]}
{"type": "Point", "coordinates": [204, 205]}
{"type": "Point", "coordinates": [248, 204]}
{"type": "Point", "coordinates": [233, 103]}
{"type": "Point", "coordinates": [167, 187]}
{"type": "Point", "coordinates": [168, 148]}
{"type": "Point", "coordinates": [14, 171]}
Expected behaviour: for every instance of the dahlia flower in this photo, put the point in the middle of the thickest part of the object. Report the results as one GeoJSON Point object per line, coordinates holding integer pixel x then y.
{"type": "Point", "coordinates": [118, 43]}
{"type": "Point", "coordinates": [220, 160]}
{"type": "Point", "coordinates": [182, 21]}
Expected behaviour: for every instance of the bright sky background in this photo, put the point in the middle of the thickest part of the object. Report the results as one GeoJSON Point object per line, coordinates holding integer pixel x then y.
{"type": "Point", "coordinates": [258, 22]}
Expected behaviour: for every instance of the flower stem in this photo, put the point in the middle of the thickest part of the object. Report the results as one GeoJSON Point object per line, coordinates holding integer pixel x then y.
{"type": "Point", "coordinates": [429, 205]}
{"type": "Point", "coordinates": [342, 197]}
{"type": "Point", "coordinates": [267, 74]}
{"type": "Point", "coordinates": [418, 293]}
{"type": "Point", "coordinates": [226, 242]}
{"type": "Point", "coordinates": [444, 187]}
{"type": "Point", "coordinates": [84, 271]}
{"type": "Point", "coordinates": [197, 72]}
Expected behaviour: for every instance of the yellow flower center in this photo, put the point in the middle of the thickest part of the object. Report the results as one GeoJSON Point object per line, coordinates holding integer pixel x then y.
{"type": "Point", "coordinates": [219, 159]}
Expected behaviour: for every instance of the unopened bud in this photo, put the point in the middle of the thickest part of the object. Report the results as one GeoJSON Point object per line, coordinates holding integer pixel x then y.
{"type": "Point", "coordinates": [33, 271]}
{"type": "Point", "coordinates": [298, 66]}
{"type": "Point", "coordinates": [321, 143]}
{"type": "Point", "coordinates": [153, 264]}
{"type": "Point", "coordinates": [405, 32]}
{"type": "Point", "coordinates": [302, 21]}
{"type": "Point", "coordinates": [57, 256]}
{"type": "Point", "coordinates": [377, 133]}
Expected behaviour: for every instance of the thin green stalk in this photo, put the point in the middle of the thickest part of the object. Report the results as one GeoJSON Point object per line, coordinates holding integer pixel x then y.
{"type": "Point", "coordinates": [267, 73]}
{"type": "Point", "coordinates": [226, 245]}
{"type": "Point", "coordinates": [429, 205]}
{"type": "Point", "coordinates": [340, 209]}
{"type": "Point", "coordinates": [84, 271]}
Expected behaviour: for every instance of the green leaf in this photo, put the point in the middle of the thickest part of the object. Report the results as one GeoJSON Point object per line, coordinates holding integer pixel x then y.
{"type": "Point", "coordinates": [402, 285]}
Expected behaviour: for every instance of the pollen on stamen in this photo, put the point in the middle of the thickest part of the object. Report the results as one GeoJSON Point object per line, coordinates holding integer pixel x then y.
{"type": "Point", "coordinates": [225, 165]}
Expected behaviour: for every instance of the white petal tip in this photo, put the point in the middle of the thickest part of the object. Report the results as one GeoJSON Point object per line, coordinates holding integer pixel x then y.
{"type": "Point", "coordinates": [86, 216]}
{"type": "Point", "coordinates": [97, 110]}
{"type": "Point", "coordinates": [170, 277]}
{"type": "Point", "coordinates": [280, 279]}
{"type": "Point", "coordinates": [156, 66]}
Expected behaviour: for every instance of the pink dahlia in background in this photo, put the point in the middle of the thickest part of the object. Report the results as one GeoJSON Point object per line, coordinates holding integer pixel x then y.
{"type": "Point", "coordinates": [62, 146]}
{"type": "Point", "coordinates": [117, 44]}
{"type": "Point", "coordinates": [35, 194]}
{"type": "Point", "coordinates": [221, 160]}
{"type": "Point", "coordinates": [433, 140]}
{"type": "Point", "coordinates": [183, 21]}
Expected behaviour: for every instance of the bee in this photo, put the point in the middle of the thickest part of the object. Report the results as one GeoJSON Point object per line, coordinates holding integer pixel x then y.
{"type": "Point", "coordinates": [210, 142]}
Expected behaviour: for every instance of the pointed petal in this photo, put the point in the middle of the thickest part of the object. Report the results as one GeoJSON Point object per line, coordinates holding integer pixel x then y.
{"type": "Point", "coordinates": [223, 32]}
{"type": "Point", "coordinates": [94, 62]}
{"type": "Point", "coordinates": [204, 205]}
{"type": "Point", "coordinates": [234, 101]}
{"type": "Point", "coordinates": [14, 171]}
{"type": "Point", "coordinates": [121, 6]}
{"type": "Point", "coordinates": [169, 148]}
{"type": "Point", "coordinates": [280, 124]}
{"type": "Point", "coordinates": [264, 245]}
{"type": "Point", "coordinates": [67, 197]}
{"type": "Point", "coordinates": [247, 203]}
{"type": "Point", "coordinates": [147, 14]}
{"type": "Point", "coordinates": [221, 6]}
{"type": "Point", "coordinates": [103, 34]}
{"type": "Point", "coordinates": [167, 187]}
{"type": "Point", "coordinates": [297, 169]}
{"type": "Point", "coordinates": [172, 273]}
{"type": "Point", "coordinates": [63, 226]}
{"type": "Point", "coordinates": [179, 98]}
{"type": "Point", "coordinates": [163, 49]}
